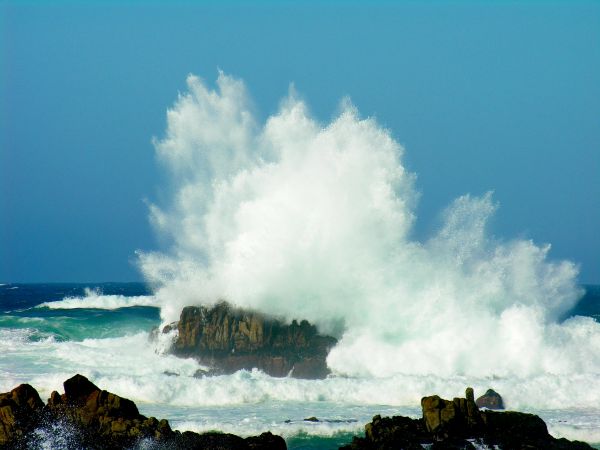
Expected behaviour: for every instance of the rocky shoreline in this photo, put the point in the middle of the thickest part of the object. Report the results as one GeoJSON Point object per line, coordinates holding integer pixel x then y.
{"type": "Point", "coordinates": [86, 416]}
{"type": "Point", "coordinates": [460, 424]}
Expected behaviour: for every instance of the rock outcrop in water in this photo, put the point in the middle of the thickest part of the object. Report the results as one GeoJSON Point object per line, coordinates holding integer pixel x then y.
{"type": "Point", "coordinates": [459, 424]}
{"type": "Point", "coordinates": [229, 339]}
{"type": "Point", "coordinates": [87, 417]}
{"type": "Point", "coordinates": [490, 400]}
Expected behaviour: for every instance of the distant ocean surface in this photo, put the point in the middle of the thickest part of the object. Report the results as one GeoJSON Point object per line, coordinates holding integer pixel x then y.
{"type": "Point", "coordinates": [49, 332]}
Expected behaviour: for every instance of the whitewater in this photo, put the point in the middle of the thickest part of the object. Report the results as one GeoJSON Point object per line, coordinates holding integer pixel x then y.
{"type": "Point", "coordinates": [305, 220]}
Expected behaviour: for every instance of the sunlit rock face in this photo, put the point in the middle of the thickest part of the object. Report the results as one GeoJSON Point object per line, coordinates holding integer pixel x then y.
{"type": "Point", "coordinates": [230, 339]}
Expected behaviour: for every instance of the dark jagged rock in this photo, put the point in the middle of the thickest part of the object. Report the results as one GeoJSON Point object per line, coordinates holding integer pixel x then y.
{"type": "Point", "coordinates": [457, 424]}
{"type": "Point", "coordinates": [99, 414]}
{"type": "Point", "coordinates": [391, 433]}
{"type": "Point", "coordinates": [78, 389]}
{"type": "Point", "coordinates": [87, 417]}
{"type": "Point", "coordinates": [226, 441]}
{"type": "Point", "coordinates": [201, 373]}
{"type": "Point", "coordinates": [490, 400]}
{"type": "Point", "coordinates": [18, 412]}
{"type": "Point", "coordinates": [266, 441]}
{"type": "Point", "coordinates": [229, 339]}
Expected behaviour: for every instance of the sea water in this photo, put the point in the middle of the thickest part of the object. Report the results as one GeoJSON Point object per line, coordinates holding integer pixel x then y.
{"type": "Point", "coordinates": [49, 332]}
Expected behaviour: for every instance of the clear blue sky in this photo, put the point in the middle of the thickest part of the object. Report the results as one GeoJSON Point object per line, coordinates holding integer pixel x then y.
{"type": "Point", "coordinates": [484, 96]}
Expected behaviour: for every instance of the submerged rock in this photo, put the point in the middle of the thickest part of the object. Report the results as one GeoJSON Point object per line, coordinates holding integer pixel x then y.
{"type": "Point", "coordinates": [490, 400]}
{"type": "Point", "coordinates": [201, 373]}
{"type": "Point", "coordinates": [86, 416]}
{"type": "Point", "coordinates": [229, 339]}
{"type": "Point", "coordinates": [458, 424]}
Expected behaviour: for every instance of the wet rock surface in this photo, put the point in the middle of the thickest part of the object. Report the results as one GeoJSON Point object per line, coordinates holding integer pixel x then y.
{"type": "Point", "coordinates": [229, 339]}
{"type": "Point", "coordinates": [86, 416]}
{"type": "Point", "coordinates": [18, 411]}
{"type": "Point", "coordinates": [459, 424]}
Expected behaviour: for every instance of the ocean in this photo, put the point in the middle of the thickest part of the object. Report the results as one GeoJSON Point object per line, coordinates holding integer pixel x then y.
{"type": "Point", "coordinates": [49, 332]}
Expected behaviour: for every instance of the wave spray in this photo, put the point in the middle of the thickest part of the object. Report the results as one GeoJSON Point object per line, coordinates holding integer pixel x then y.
{"type": "Point", "coordinates": [314, 221]}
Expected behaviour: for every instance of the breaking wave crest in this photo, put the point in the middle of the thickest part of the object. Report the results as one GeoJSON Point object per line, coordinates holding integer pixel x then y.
{"type": "Point", "coordinates": [309, 220]}
{"type": "Point", "coordinates": [94, 299]}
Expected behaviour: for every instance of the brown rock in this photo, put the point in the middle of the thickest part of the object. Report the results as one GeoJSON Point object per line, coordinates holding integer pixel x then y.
{"type": "Point", "coordinates": [78, 389]}
{"type": "Point", "coordinates": [230, 339]}
{"type": "Point", "coordinates": [103, 418]}
{"type": "Point", "coordinates": [55, 399]}
{"type": "Point", "coordinates": [18, 412]}
{"type": "Point", "coordinates": [432, 411]}
{"type": "Point", "coordinates": [454, 424]}
{"type": "Point", "coordinates": [100, 420]}
{"type": "Point", "coordinates": [25, 396]}
{"type": "Point", "coordinates": [490, 400]}
{"type": "Point", "coordinates": [458, 417]}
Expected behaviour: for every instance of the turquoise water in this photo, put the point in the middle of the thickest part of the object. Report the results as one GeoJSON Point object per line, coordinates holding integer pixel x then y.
{"type": "Point", "coordinates": [307, 442]}
{"type": "Point", "coordinates": [79, 324]}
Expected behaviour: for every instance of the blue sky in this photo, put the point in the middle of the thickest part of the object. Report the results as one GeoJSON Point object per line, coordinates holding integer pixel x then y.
{"type": "Point", "coordinates": [484, 96]}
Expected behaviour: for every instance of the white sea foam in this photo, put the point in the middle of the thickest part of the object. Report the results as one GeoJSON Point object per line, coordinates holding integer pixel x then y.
{"type": "Point", "coordinates": [399, 390]}
{"type": "Point", "coordinates": [94, 298]}
{"type": "Point", "coordinates": [127, 361]}
{"type": "Point", "coordinates": [165, 386]}
{"type": "Point", "coordinates": [310, 220]}
{"type": "Point", "coordinates": [134, 367]}
{"type": "Point", "coordinates": [255, 425]}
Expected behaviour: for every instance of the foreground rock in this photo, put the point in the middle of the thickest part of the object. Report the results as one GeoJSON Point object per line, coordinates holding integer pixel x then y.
{"type": "Point", "coordinates": [459, 424]}
{"type": "Point", "coordinates": [229, 339]}
{"type": "Point", "coordinates": [19, 409]}
{"type": "Point", "coordinates": [87, 417]}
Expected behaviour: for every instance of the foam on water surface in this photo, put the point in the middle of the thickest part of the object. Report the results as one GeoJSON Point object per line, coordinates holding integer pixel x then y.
{"type": "Point", "coordinates": [94, 298]}
{"type": "Point", "coordinates": [249, 402]}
